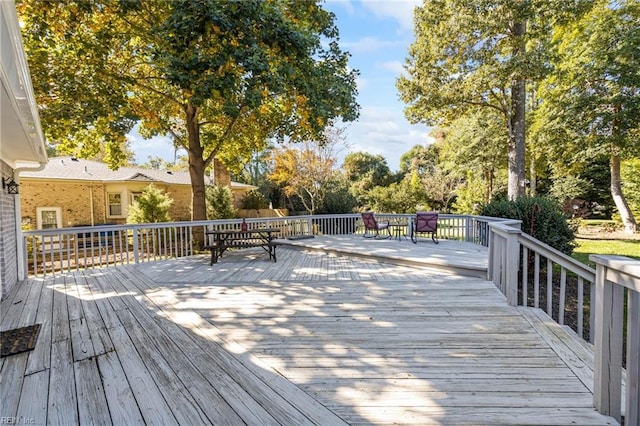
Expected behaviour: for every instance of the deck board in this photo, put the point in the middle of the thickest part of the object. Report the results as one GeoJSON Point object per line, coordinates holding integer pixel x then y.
{"type": "Point", "coordinates": [316, 338]}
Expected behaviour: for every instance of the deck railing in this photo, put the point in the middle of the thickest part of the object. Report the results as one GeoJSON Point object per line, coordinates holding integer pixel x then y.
{"type": "Point", "coordinates": [616, 275]}
{"type": "Point", "coordinates": [532, 273]}
{"type": "Point", "coordinates": [67, 249]}
{"type": "Point", "coordinates": [516, 264]}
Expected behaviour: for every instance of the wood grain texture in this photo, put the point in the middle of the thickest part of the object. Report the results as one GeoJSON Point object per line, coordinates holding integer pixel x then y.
{"type": "Point", "coordinates": [317, 338]}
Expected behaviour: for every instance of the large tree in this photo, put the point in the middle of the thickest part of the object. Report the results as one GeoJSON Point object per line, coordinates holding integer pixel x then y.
{"type": "Point", "coordinates": [305, 170]}
{"type": "Point", "coordinates": [474, 145]}
{"type": "Point", "coordinates": [479, 53]}
{"type": "Point", "coordinates": [364, 171]}
{"type": "Point", "coordinates": [592, 100]}
{"type": "Point", "coordinates": [219, 77]}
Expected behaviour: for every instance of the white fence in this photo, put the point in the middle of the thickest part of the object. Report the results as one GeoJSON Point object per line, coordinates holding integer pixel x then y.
{"type": "Point", "coordinates": [67, 249]}
{"type": "Point", "coordinates": [516, 261]}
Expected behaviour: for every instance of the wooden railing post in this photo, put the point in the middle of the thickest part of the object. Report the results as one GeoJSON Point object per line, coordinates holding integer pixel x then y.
{"type": "Point", "coordinates": [504, 259]}
{"type": "Point", "coordinates": [613, 274]}
{"type": "Point", "coordinates": [512, 263]}
{"type": "Point", "coordinates": [608, 346]}
{"type": "Point", "coordinates": [136, 249]}
{"type": "Point", "coordinates": [633, 359]}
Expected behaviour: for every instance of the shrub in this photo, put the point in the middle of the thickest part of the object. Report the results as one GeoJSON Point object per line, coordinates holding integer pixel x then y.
{"type": "Point", "coordinates": [219, 202]}
{"type": "Point", "coordinates": [151, 206]}
{"type": "Point", "coordinates": [254, 200]}
{"type": "Point", "coordinates": [541, 218]}
{"type": "Point", "coordinates": [338, 199]}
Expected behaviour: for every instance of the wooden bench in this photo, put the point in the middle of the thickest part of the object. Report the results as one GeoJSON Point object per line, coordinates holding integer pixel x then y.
{"type": "Point", "coordinates": [237, 239]}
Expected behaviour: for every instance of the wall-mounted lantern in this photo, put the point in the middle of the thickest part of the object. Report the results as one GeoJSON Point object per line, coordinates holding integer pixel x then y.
{"type": "Point", "coordinates": [10, 184]}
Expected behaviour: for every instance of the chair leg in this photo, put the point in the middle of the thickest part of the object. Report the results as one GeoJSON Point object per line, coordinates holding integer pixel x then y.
{"type": "Point", "coordinates": [433, 237]}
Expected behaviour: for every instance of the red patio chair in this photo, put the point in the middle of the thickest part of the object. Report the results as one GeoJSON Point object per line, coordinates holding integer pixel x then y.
{"type": "Point", "coordinates": [425, 223]}
{"type": "Point", "coordinates": [372, 225]}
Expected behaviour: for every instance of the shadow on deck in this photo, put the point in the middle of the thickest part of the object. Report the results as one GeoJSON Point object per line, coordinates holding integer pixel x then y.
{"type": "Point", "coordinates": [316, 338]}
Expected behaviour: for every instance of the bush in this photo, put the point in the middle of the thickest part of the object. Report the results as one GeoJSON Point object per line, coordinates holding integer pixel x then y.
{"type": "Point", "coordinates": [219, 202]}
{"type": "Point", "coordinates": [541, 217]}
{"type": "Point", "coordinates": [338, 199]}
{"type": "Point", "coordinates": [151, 206]}
{"type": "Point", "coordinates": [254, 200]}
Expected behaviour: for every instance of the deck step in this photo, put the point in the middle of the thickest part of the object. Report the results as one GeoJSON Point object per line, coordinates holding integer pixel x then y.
{"type": "Point", "coordinates": [574, 351]}
{"type": "Point", "coordinates": [444, 257]}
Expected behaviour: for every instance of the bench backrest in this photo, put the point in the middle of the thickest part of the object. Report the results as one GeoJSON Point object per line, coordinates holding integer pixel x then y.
{"type": "Point", "coordinates": [426, 222]}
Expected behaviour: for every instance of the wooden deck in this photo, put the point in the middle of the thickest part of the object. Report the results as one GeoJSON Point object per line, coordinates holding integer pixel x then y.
{"type": "Point", "coordinates": [316, 338]}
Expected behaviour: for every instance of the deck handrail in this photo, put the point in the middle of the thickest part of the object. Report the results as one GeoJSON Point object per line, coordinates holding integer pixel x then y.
{"type": "Point", "coordinates": [512, 256]}
{"type": "Point", "coordinates": [64, 249]}
{"type": "Point", "coordinates": [509, 261]}
{"type": "Point", "coordinates": [614, 276]}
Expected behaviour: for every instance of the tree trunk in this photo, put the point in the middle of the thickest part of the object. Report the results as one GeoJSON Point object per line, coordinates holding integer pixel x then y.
{"type": "Point", "coordinates": [516, 153]}
{"type": "Point", "coordinates": [196, 172]}
{"type": "Point", "coordinates": [630, 225]}
{"type": "Point", "coordinates": [533, 177]}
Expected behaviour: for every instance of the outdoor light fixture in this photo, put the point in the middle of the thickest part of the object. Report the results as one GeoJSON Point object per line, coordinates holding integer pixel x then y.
{"type": "Point", "coordinates": [10, 184]}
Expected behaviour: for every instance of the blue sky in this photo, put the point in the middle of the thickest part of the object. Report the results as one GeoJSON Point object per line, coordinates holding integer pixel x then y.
{"type": "Point", "coordinates": [377, 33]}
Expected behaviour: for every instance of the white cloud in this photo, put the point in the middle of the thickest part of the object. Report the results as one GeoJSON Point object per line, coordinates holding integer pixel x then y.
{"type": "Point", "coordinates": [400, 10]}
{"type": "Point", "coordinates": [371, 44]}
{"type": "Point", "coordinates": [385, 131]}
{"type": "Point", "coordinates": [361, 83]}
{"type": "Point", "coordinates": [346, 4]}
{"type": "Point", "coordinates": [394, 66]}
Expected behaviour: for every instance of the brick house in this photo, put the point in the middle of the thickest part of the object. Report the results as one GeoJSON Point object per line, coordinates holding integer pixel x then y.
{"type": "Point", "coordinates": [22, 144]}
{"type": "Point", "coordinates": [74, 192]}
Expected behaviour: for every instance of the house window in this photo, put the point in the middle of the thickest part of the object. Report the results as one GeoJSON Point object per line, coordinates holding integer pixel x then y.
{"type": "Point", "coordinates": [49, 217]}
{"type": "Point", "coordinates": [115, 203]}
{"type": "Point", "coordinates": [134, 196]}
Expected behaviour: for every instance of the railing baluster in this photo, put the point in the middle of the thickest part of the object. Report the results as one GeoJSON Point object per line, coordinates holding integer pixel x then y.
{"type": "Point", "coordinates": [549, 288]}
{"type": "Point", "coordinates": [580, 307]}
{"type": "Point", "coordinates": [536, 280]}
{"type": "Point", "coordinates": [525, 276]}
{"type": "Point", "coordinates": [563, 288]}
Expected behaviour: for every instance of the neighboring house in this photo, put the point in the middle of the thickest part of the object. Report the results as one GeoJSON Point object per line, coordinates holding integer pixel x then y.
{"type": "Point", "coordinates": [75, 192]}
{"type": "Point", "coordinates": [22, 145]}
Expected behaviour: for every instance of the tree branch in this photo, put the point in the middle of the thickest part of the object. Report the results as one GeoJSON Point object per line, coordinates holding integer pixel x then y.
{"type": "Point", "coordinates": [224, 135]}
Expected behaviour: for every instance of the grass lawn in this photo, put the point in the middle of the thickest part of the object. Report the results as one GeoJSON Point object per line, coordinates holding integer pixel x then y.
{"type": "Point", "coordinates": [629, 248]}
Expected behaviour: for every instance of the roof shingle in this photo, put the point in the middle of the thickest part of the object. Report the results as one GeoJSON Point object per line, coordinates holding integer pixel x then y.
{"type": "Point", "coordinates": [70, 168]}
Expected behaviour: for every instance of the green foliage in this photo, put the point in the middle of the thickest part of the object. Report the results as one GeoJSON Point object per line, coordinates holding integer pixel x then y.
{"type": "Point", "coordinates": [470, 195]}
{"type": "Point", "coordinates": [420, 158]}
{"type": "Point", "coordinates": [219, 202]}
{"type": "Point", "coordinates": [396, 198]}
{"type": "Point", "coordinates": [365, 171]}
{"type": "Point", "coordinates": [338, 198]}
{"type": "Point", "coordinates": [150, 207]}
{"type": "Point", "coordinates": [631, 188]}
{"type": "Point", "coordinates": [254, 200]}
{"type": "Point", "coordinates": [480, 54]}
{"type": "Point", "coordinates": [219, 77]}
{"type": "Point", "coordinates": [541, 218]}
{"type": "Point", "coordinates": [591, 101]}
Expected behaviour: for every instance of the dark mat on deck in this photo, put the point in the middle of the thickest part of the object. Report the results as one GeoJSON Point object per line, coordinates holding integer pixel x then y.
{"type": "Point", "coordinates": [19, 340]}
